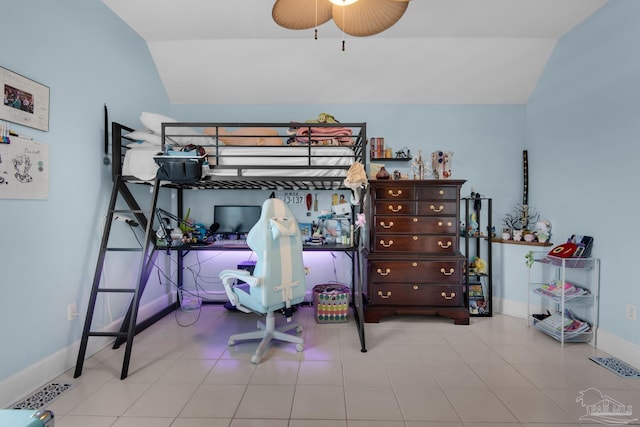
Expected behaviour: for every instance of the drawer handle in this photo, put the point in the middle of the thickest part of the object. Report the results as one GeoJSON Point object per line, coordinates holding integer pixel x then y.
{"type": "Point", "coordinates": [415, 287]}
{"type": "Point", "coordinates": [392, 209]}
{"type": "Point", "coordinates": [388, 294]}
{"type": "Point", "coordinates": [414, 264]}
{"type": "Point", "coordinates": [444, 295]}
{"type": "Point", "coordinates": [440, 224]}
{"type": "Point", "coordinates": [395, 194]}
{"type": "Point", "coordinates": [438, 209]}
{"type": "Point", "coordinates": [384, 225]}
{"type": "Point", "coordinates": [444, 246]}
{"type": "Point", "coordinates": [385, 273]}
{"type": "Point", "coordinates": [441, 192]}
{"type": "Point", "coordinates": [386, 245]}
{"type": "Point", "coordinates": [443, 271]}
{"type": "Point", "coordinates": [415, 237]}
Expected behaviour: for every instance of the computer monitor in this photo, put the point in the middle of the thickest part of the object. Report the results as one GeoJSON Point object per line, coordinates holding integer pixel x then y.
{"type": "Point", "coordinates": [235, 219]}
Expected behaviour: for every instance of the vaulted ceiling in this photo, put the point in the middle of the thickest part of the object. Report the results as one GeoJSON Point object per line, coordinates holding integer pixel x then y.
{"type": "Point", "coordinates": [440, 52]}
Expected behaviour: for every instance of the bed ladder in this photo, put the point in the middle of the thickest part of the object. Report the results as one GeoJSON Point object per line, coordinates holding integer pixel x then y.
{"type": "Point", "coordinates": [128, 327]}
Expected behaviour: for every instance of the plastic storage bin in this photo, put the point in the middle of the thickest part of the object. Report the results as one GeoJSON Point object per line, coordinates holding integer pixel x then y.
{"type": "Point", "coordinates": [331, 303]}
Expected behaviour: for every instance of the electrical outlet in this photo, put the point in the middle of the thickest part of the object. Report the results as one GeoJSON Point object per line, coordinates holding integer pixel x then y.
{"type": "Point", "coordinates": [631, 312]}
{"type": "Point", "coordinates": [72, 311]}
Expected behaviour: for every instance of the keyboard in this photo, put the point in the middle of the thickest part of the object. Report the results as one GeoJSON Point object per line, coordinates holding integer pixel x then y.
{"type": "Point", "coordinates": [228, 243]}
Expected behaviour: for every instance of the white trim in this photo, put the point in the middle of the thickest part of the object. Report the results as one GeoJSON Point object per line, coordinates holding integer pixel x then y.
{"type": "Point", "coordinates": [30, 379]}
{"type": "Point", "coordinates": [624, 350]}
{"type": "Point", "coordinates": [510, 308]}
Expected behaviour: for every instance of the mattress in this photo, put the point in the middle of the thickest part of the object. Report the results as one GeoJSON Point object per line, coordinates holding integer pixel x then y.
{"type": "Point", "coordinates": [140, 164]}
{"type": "Point", "coordinates": [249, 159]}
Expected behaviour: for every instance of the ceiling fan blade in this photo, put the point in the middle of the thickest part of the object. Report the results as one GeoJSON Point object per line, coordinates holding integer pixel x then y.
{"type": "Point", "coordinates": [301, 14]}
{"type": "Point", "coordinates": [368, 17]}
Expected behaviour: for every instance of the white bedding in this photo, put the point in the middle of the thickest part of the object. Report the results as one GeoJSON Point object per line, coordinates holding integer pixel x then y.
{"type": "Point", "coordinates": [287, 156]}
{"type": "Point", "coordinates": [138, 162]}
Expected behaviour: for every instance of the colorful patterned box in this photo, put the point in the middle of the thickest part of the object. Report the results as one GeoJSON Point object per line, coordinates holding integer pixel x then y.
{"type": "Point", "coordinates": [331, 303]}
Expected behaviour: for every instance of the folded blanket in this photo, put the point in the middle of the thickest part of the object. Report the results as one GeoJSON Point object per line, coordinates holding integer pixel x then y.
{"type": "Point", "coordinates": [306, 134]}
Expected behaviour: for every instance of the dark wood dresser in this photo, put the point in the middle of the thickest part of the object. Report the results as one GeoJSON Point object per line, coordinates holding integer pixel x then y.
{"type": "Point", "coordinates": [412, 253]}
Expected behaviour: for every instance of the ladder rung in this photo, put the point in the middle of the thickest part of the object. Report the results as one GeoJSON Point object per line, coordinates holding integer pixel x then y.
{"type": "Point", "coordinates": [117, 290]}
{"type": "Point", "coordinates": [130, 211]}
{"type": "Point", "coordinates": [108, 334]}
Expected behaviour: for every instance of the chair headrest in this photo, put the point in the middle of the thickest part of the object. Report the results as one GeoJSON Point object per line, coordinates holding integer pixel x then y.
{"type": "Point", "coordinates": [282, 227]}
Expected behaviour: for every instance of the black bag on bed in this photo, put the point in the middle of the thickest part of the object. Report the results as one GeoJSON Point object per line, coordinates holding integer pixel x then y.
{"type": "Point", "coordinates": [179, 168]}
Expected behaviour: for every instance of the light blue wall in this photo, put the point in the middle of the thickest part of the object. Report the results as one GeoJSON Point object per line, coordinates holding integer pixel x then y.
{"type": "Point", "coordinates": [88, 57]}
{"type": "Point", "coordinates": [583, 132]}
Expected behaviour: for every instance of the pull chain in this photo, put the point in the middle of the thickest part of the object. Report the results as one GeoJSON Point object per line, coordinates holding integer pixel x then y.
{"type": "Point", "coordinates": [316, 30]}
{"type": "Point", "coordinates": [344, 24]}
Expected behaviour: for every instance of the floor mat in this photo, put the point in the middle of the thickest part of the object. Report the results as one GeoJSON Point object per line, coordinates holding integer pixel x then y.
{"type": "Point", "coordinates": [43, 397]}
{"type": "Point", "coordinates": [617, 366]}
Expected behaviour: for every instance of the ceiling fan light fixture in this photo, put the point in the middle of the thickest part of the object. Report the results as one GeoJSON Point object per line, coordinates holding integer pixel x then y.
{"type": "Point", "coordinates": [358, 18]}
{"type": "Point", "coordinates": [343, 2]}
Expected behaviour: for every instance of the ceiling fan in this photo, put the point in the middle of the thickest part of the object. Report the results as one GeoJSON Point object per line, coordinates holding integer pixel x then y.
{"type": "Point", "coordinates": [359, 18]}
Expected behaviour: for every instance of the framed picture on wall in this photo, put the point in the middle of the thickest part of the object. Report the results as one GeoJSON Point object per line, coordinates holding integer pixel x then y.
{"type": "Point", "coordinates": [26, 102]}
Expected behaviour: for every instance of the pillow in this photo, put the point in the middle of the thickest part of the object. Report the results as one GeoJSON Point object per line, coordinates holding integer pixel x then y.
{"type": "Point", "coordinates": [154, 121]}
{"type": "Point", "coordinates": [282, 227]}
{"type": "Point", "coordinates": [142, 144]}
{"type": "Point", "coordinates": [141, 136]}
{"type": "Point", "coordinates": [247, 136]}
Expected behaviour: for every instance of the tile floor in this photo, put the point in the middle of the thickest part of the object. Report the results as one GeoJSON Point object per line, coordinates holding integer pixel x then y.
{"type": "Point", "coordinates": [418, 372]}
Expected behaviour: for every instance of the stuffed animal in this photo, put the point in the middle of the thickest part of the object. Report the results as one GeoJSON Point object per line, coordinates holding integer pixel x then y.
{"type": "Point", "coordinates": [323, 118]}
{"type": "Point", "coordinates": [480, 265]}
{"type": "Point", "coordinates": [356, 180]}
{"type": "Point", "coordinates": [246, 136]}
{"type": "Point", "coordinates": [543, 230]}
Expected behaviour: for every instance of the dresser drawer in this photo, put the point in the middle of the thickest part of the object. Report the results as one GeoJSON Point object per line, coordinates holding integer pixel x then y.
{"type": "Point", "coordinates": [395, 192]}
{"type": "Point", "coordinates": [437, 208]}
{"type": "Point", "coordinates": [415, 243]}
{"type": "Point", "coordinates": [415, 224]}
{"type": "Point", "coordinates": [416, 271]}
{"type": "Point", "coordinates": [437, 193]}
{"type": "Point", "coordinates": [394, 207]}
{"type": "Point", "coordinates": [416, 294]}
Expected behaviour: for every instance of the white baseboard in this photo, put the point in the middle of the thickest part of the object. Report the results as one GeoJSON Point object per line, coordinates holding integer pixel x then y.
{"type": "Point", "coordinates": [510, 308]}
{"type": "Point", "coordinates": [624, 350]}
{"type": "Point", "coordinates": [32, 378]}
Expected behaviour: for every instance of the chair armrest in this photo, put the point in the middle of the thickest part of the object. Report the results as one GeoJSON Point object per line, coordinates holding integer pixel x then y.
{"type": "Point", "coordinates": [229, 277]}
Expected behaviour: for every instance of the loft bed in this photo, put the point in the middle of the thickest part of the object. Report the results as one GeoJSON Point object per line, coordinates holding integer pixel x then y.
{"type": "Point", "coordinates": [251, 156]}
{"type": "Point", "coordinates": [255, 156]}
